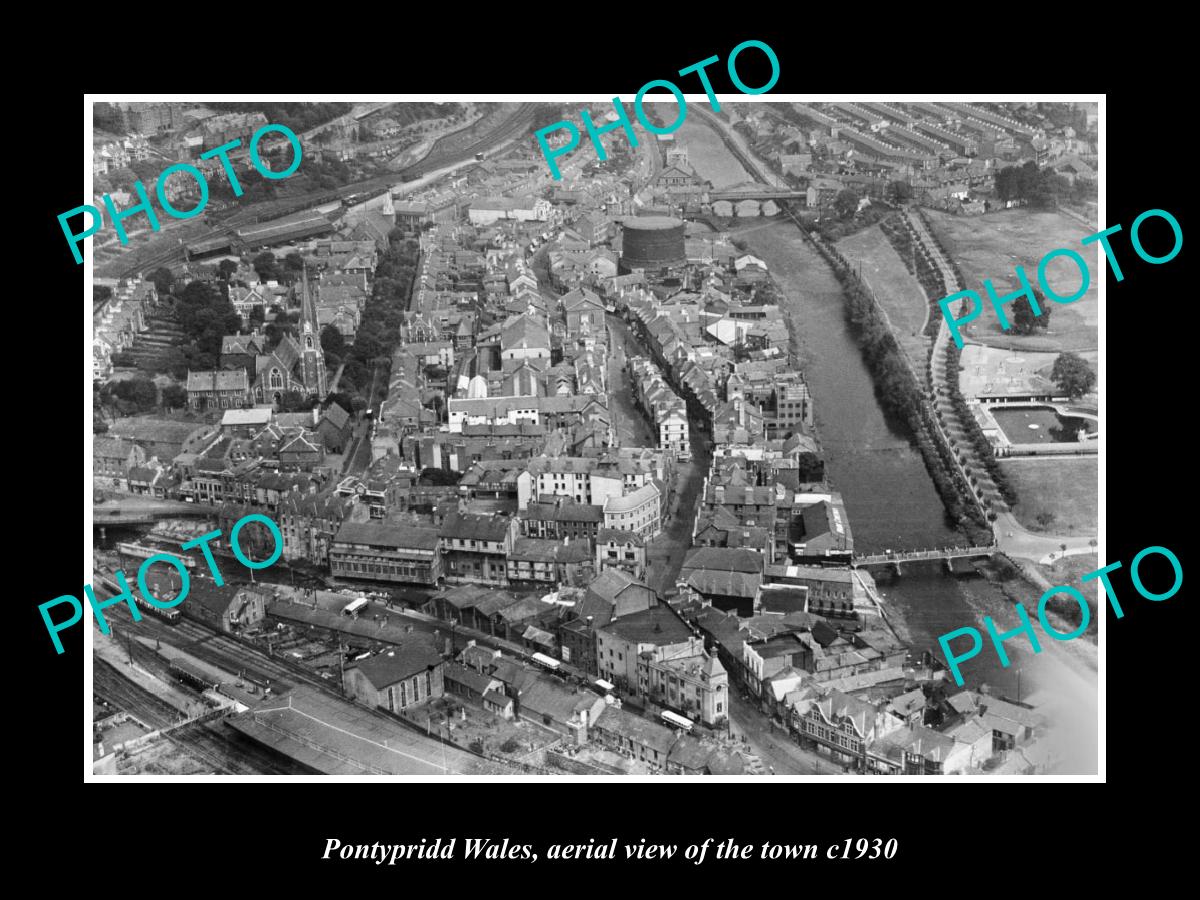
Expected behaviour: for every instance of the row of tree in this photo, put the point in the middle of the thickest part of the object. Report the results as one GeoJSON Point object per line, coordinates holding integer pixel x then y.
{"type": "Point", "coordinates": [982, 448]}
{"type": "Point", "coordinates": [981, 445]}
{"type": "Point", "coordinates": [899, 394]}
{"type": "Point", "coordinates": [383, 315]}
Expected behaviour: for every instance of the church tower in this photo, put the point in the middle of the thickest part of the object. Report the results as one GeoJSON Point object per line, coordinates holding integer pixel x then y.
{"type": "Point", "coordinates": [312, 358]}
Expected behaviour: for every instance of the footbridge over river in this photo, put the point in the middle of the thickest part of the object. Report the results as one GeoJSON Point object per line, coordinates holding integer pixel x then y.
{"type": "Point", "coordinates": [948, 554]}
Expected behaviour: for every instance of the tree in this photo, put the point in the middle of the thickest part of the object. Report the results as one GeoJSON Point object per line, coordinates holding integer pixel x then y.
{"type": "Point", "coordinates": [1073, 375]}
{"type": "Point", "coordinates": [226, 269]}
{"type": "Point", "coordinates": [898, 191]}
{"type": "Point", "coordinates": [206, 315]}
{"type": "Point", "coordinates": [294, 401]}
{"type": "Point", "coordinates": [285, 323]}
{"type": "Point", "coordinates": [132, 395]}
{"type": "Point", "coordinates": [266, 266]}
{"type": "Point", "coordinates": [101, 293]}
{"type": "Point", "coordinates": [174, 396]}
{"type": "Point", "coordinates": [342, 399]}
{"type": "Point", "coordinates": [163, 280]}
{"type": "Point", "coordinates": [294, 262]}
{"type": "Point", "coordinates": [1023, 319]}
{"type": "Point", "coordinates": [332, 341]}
{"type": "Point", "coordinates": [845, 203]}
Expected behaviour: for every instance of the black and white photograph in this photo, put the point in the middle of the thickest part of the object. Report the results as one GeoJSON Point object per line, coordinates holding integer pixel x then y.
{"type": "Point", "coordinates": [746, 438]}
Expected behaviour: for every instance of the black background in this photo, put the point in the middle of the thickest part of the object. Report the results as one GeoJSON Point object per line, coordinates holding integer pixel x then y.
{"type": "Point", "coordinates": [253, 837]}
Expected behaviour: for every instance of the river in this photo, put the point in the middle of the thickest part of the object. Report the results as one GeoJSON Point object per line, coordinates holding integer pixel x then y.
{"type": "Point", "coordinates": [890, 498]}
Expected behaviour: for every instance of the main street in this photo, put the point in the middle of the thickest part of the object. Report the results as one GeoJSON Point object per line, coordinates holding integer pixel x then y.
{"type": "Point", "coordinates": [665, 553]}
{"type": "Point", "coordinates": [779, 752]}
{"type": "Point", "coordinates": [629, 423]}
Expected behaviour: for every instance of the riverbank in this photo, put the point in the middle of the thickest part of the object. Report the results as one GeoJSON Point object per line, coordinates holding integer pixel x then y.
{"type": "Point", "coordinates": [899, 392]}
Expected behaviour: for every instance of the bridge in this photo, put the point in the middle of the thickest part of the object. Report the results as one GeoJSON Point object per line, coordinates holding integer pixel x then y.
{"type": "Point", "coordinates": [946, 553]}
{"type": "Point", "coordinates": [142, 511]}
{"type": "Point", "coordinates": [759, 192]}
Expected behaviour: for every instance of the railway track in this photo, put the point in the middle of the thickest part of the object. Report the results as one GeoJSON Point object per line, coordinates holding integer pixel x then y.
{"type": "Point", "coordinates": [211, 742]}
{"type": "Point", "coordinates": [230, 753]}
{"type": "Point", "coordinates": [118, 691]}
{"type": "Point", "coordinates": [221, 650]}
{"type": "Point", "coordinates": [521, 119]}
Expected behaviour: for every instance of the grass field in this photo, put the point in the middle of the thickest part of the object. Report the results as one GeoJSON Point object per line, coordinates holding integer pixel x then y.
{"type": "Point", "coordinates": [1065, 488]}
{"type": "Point", "coordinates": [896, 289]}
{"type": "Point", "coordinates": [991, 246]}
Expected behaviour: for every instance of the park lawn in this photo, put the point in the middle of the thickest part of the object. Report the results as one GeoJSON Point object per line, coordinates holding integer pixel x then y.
{"type": "Point", "coordinates": [898, 292]}
{"type": "Point", "coordinates": [989, 247]}
{"type": "Point", "coordinates": [1066, 487]}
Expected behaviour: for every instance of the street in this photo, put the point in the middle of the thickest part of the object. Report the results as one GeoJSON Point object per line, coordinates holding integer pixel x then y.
{"type": "Point", "coordinates": [631, 425]}
{"type": "Point", "coordinates": [665, 553]}
{"type": "Point", "coordinates": [777, 750]}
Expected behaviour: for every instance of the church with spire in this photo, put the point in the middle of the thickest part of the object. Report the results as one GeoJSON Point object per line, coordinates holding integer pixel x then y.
{"type": "Point", "coordinates": [295, 364]}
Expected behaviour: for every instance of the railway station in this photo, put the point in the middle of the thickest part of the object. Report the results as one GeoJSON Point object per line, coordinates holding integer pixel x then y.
{"type": "Point", "coordinates": [334, 738]}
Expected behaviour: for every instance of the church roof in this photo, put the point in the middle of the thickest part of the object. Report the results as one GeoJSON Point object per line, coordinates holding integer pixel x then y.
{"type": "Point", "coordinates": [288, 352]}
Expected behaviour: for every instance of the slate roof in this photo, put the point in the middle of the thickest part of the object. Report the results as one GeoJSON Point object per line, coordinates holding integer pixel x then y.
{"type": "Point", "coordinates": [336, 416]}
{"type": "Point", "coordinates": [469, 526]}
{"type": "Point", "coordinates": [399, 662]}
{"type": "Point", "coordinates": [401, 537]}
{"type": "Point", "coordinates": [725, 559]}
{"type": "Point", "coordinates": [657, 625]}
{"type": "Point", "coordinates": [220, 380]}
{"type": "Point", "coordinates": [637, 729]}
{"type": "Point", "coordinates": [725, 584]}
